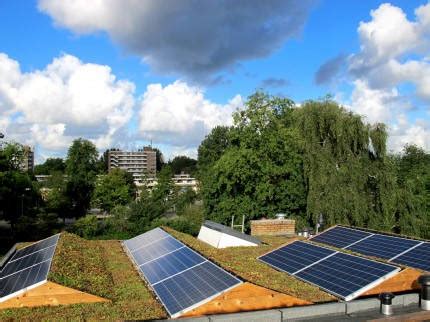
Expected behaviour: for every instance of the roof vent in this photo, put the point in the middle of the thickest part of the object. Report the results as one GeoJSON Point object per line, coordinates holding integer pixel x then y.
{"type": "Point", "coordinates": [280, 216]}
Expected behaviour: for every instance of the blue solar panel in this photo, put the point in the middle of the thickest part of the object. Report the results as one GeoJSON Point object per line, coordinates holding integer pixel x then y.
{"type": "Point", "coordinates": [295, 256]}
{"type": "Point", "coordinates": [145, 239]}
{"type": "Point", "coordinates": [383, 246]}
{"type": "Point", "coordinates": [193, 286]}
{"type": "Point", "coordinates": [343, 275]}
{"type": "Point", "coordinates": [27, 267]}
{"type": "Point", "coordinates": [170, 264]}
{"type": "Point", "coordinates": [180, 277]}
{"type": "Point", "coordinates": [340, 236]}
{"type": "Point", "coordinates": [155, 250]}
{"type": "Point", "coordinates": [346, 276]}
{"type": "Point", "coordinates": [418, 257]}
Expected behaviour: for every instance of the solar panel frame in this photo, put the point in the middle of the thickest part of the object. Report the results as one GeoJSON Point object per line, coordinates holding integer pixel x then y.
{"type": "Point", "coordinates": [301, 272]}
{"type": "Point", "coordinates": [416, 254]}
{"type": "Point", "coordinates": [353, 294]}
{"type": "Point", "coordinates": [23, 278]}
{"type": "Point", "coordinates": [388, 255]}
{"type": "Point", "coordinates": [383, 246]}
{"type": "Point", "coordinates": [144, 277]}
{"type": "Point", "coordinates": [327, 236]}
{"type": "Point", "coordinates": [301, 265]}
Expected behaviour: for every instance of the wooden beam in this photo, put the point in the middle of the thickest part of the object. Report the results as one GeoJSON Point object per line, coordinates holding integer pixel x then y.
{"type": "Point", "coordinates": [246, 297]}
{"type": "Point", "coordinates": [50, 293]}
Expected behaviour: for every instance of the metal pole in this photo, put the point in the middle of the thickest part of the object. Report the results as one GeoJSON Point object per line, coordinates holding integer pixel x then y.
{"type": "Point", "coordinates": [243, 224]}
{"type": "Point", "coordinates": [232, 221]}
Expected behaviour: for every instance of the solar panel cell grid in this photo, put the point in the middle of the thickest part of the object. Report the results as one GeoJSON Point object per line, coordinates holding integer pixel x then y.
{"type": "Point", "coordinates": [383, 246]}
{"type": "Point", "coordinates": [170, 264]}
{"type": "Point", "coordinates": [27, 261]}
{"type": "Point", "coordinates": [418, 257]}
{"type": "Point", "coordinates": [51, 241]}
{"type": "Point", "coordinates": [193, 286]}
{"type": "Point", "coordinates": [343, 274]}
{"type": "Point", "coordinates": [145, 239]}
{"type": "Point", "coordinates": [181, 277]}
{"type": "Point", "coordinates": [340, 236]}
{"type": "Point", "coordinates": [295, 256]}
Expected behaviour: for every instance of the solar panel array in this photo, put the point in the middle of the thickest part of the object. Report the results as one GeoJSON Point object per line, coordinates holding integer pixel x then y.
{"type": "Point", "coordinates": [409, 252]}
{"type": "Point", "coordinates": [343, 275]}
{"type": "Point", "coordinates": [181, 278]}
{"type": "Point", "coordinates": [27, 267]}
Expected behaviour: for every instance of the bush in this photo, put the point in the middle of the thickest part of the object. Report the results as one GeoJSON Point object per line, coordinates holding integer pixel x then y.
{"type": "Point", "coordinates": [87, 226]}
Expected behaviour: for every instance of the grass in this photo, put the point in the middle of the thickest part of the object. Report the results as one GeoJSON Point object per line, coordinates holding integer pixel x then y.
{"type": "Point", "coordinates": [101, 267]}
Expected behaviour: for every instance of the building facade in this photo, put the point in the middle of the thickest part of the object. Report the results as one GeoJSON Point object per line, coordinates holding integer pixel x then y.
{"type": "Point", "coordinates": [28, 159]}
{"type": "Point", "coordinates": [140, 163]}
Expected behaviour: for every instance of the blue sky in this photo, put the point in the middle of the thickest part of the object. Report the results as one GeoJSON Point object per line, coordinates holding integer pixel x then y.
{"type": "Point", "coordinates": [123, 74]}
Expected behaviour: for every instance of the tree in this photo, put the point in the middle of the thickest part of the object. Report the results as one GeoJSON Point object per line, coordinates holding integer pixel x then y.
{"type": "Point", "coordinates": [212, 147]}
{"type": "Point", "coordinates": [81, 170]}
{"type": "Point", "coordinates": [255, 168]}
{"type": "Point", "coordinates": [414, 194]}
{"type": "Point", "coordinates": [349, 179]}
{"type": "Point", "coordinates": [153, 204]}
{"type": "Point", "coordinates": [159, 159]}
{"type": "Point", "coordinates": [113, 189]}
{"type": "Point", "coordinates": [50, 165]}
{"type": "Point", "coordinates": [17, 196]}
{"type": "Point", "coordinates": [184, 164]}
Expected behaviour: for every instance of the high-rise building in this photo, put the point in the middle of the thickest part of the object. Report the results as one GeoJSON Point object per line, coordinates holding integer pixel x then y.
{"type": "Point", "coordinates": [140, 163]}
{"type": "Point", "coordinates": [28, 160]}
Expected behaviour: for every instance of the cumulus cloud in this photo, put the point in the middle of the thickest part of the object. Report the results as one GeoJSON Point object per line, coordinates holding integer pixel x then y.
{"type": "Point", "coordinates": [387, 44]}
{"type": "Point", "coordinates": [65, 100]}
{"type": "Point", "coordinates": [179, 114]}
{"type": "Point", "coordinates": [393, 56]}
{"type": "Point", "coordinates": [327, 71]}
{"type": "Point", "coordinates": [193, 38]}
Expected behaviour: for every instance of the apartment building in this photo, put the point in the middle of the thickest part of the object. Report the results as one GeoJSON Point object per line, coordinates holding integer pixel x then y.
{"type": "Point", "coordinates": [27, 163]}
{"type": "Point", "coordinates": [140, 163]}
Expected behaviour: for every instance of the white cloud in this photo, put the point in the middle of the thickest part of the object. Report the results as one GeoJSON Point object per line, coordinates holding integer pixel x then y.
{"type": "Point", "coordinates": [394, 53]}
{"type": "Point", "coordinates": [180, 115]}
{"type": "Point", "coordinates": [374, 104]}
{"type": "Point", "coordinates": [65, 100]}
{"type": "Point", "coordinates": [191, 38]}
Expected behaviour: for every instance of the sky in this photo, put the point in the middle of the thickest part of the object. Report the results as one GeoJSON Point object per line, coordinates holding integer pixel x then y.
{"type": "Point", "coordinates": [128, 73]}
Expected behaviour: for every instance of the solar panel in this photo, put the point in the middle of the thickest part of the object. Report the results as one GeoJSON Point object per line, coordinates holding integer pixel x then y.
{"type": "Point", "coordinates": [346, 276]}
{"type": "Point", "coordinates": [383, 246]}
{"type": "Point", "coordinates": [27, 267]}
{"type": "Point", "coordinates": [343, 275]}
{"type": "Point", "coordinates": [295, 256]}
{"type": "Point", "coordinates": [398, 250]}
{"type": "Point", "coordinates": [181, 278]}
{"type": "Point", "coordinates": [418, 257]}
{"type": "Point", "coordinates": [340, 236]}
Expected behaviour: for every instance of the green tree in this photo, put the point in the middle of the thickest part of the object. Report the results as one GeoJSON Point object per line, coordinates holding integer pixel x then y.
{"type": "Point", "coordinates": [184, 164]}
{"type": "Point", "coordinates": [17, 195]}
{"type": "Point", "coordinates": [260, 171]}
{"type": "Point", "coordinates": [212, 147]}
{"type": "Point", "coordinates": [152, 205]}
{"type": "Point", "coordinates": [113, 189]}
{"type": "Point", "coordinates": [349, 179]}
{"type": "Point", "coordinates": [50, 165]}
{"type": "Point", "coordinates": [81, 170]}
{"type": "Point", "coordinates": [414, 196]}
